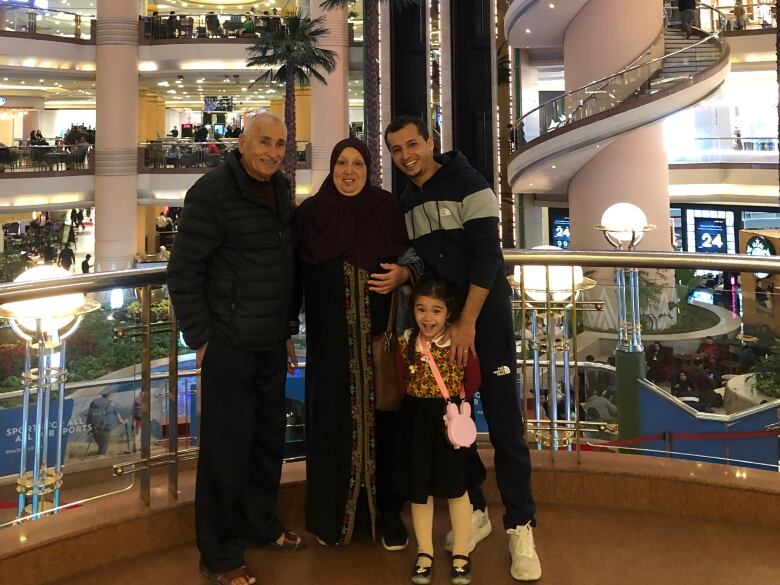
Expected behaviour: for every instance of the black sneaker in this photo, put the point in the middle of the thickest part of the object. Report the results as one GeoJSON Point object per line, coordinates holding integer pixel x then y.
{"type": "Point", "coordinates": [422, 575]}
{"type": "Point", "coordinates": [394, 534]}
{"type": "Point", "coordinates": [461, 575]}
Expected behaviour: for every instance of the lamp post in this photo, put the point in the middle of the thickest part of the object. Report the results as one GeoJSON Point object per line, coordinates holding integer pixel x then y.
{"type": "Point", "coordinates": [548, 291]}
{"type": "Point", "coordinates": [45, 325]}
{"type": "Point", "coordinates": [624, 225]}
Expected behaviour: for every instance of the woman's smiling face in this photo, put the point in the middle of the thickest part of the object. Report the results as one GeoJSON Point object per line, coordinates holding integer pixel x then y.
{"type": "Point", "coordinates": [350, 172]}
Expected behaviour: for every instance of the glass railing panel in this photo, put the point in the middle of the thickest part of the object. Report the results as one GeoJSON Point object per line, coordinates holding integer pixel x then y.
{"type": "Point", "coordinates": [712, 369]}
{"type": "Point", "coordinates": [728, 149]}
{"type": "Point", "coordinates": [184, 153]}
{"type": "Point", "coordinates": [748, 16]}
{"type": "Point", "coordinates": [212, 25]}
{"type": "Point", "coordinates": [651, 72]}
{"type": "Point", "coordinates": [46, 22]}
{"type": "Point", "coordinates": [37, 159]}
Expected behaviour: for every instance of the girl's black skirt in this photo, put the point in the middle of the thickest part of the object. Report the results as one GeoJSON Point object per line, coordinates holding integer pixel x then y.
{"type": "Point", "coordinates": [428, 465]}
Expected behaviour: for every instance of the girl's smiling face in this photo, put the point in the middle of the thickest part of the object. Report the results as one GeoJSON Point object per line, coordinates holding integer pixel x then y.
{"type": "Point", "coordinates": [431, 316]}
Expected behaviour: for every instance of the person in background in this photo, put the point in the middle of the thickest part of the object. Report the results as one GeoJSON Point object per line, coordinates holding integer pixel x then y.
{"type": "Point", "coordinates": [655, 362]}
{"type": "Point", "coordinates": [747, 359]}
{"type": "Point", "coordinates": [102, 418]}
{"type": "Point", "coordinates": [708, 349]}
{"type": "Point", "coordinates": [687, 10]}
{"type": "Point", "coordinates": [597, 404]}
{"type": "Point", "coordinates": [739, 15]}
{"type": "Point", "coordinates": [172, 25]}
{"type": "Point", "coordinates": [175, 132]}
{"type": "Point", "coordinates": [85, 266]}
{"type": "Point", "coordinates": [161, 222]}
{"type": "Point", "coordinates": [67, 257]}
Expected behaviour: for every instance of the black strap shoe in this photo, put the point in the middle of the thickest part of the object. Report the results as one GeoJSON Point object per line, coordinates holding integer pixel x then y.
{"type": "Point", "coordinates": [461, 575]}
{"type": "Point", "coordinates": [422, 575]}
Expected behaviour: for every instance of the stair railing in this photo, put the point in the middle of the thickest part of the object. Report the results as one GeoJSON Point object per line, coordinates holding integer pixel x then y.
{"type": "Point", "coordinates": [608, 92]}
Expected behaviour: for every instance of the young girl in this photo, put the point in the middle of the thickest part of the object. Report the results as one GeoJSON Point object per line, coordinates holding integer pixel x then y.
{"type": "Point", "coordinates": [428, 465]}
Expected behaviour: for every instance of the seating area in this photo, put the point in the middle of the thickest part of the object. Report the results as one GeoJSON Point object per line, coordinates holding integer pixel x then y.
{"type": "Point", "coordinates": [45, 158]}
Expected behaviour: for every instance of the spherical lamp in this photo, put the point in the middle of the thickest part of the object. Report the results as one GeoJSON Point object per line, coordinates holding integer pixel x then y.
{"type": "Point", "coordinates": [624, 225]}
{"type": "Point", "coordinates": [562, 279]}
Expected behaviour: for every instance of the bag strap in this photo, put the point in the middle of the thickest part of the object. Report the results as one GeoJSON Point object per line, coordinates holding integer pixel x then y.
{"type": "Point", "coordinates": [426, 350]}
{"type": "Point", "coordinates": [391, 321]}
{"type": "Point", "coordinates": [391, 316]}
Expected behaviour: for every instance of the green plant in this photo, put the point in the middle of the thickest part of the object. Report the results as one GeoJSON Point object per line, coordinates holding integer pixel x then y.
{"type": "Point", "coordinates": [288, 55]}
{"type": "Point", "coordinates": [685, 281]}
{"type": "Point", "coordinates": [13, 261]}
{"type": "Point", "coordinates": [767, 372]}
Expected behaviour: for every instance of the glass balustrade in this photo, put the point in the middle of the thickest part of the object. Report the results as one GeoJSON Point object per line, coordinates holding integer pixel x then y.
{"type": "Point", "coordinates": [39, 21]}
{"type": "Point", "coordinates": [707, 392]}
{"type": "Point", "coordinates": [36, 159]}
{"type": "Point", "coordinates": [183, 154]}
{"type": "Point", "coordinates": [662, 65]}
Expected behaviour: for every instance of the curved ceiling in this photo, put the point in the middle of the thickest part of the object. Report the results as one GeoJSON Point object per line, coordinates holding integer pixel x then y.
{"type": "Point", "coordinates": [533, 24]}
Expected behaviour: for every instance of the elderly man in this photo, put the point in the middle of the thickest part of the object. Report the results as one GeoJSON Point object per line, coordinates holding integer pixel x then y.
{"type": "Point", "coordinates": [230, 278]}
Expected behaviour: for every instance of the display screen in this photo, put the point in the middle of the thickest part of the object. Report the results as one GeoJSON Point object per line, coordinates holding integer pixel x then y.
{"type": "Point", "coordinates": [561, 232]}
{"type": "Point", "coordinates": [703, 296]}
{"type": "Point", "coordinates": [710, 233]}
{"type": "Point", "coordinates": [218, 104]}
{"type": "Point", "coordinates": [560, 228]}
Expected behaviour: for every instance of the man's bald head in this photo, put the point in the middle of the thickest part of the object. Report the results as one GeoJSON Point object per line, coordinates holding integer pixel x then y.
{"type": "Point", "coordinates": [260, 119]}
{"type": "Point", "coordinates": [262, 145]}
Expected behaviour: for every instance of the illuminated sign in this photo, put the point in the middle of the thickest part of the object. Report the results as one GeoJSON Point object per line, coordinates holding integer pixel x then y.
{"type": "Point", "coordinates": [710, 235]}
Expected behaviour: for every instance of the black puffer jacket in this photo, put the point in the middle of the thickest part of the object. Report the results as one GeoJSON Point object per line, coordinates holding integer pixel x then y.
{"type": "Point", "coordinates": [231, 270]}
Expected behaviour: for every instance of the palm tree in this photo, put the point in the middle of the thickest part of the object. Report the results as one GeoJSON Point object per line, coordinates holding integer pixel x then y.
{"type": "Point", "coordinates": [370, 75]}
{"type": "Point", "coordinates": [290, 54]}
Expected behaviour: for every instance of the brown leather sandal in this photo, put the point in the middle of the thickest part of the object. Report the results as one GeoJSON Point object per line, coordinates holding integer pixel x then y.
{"type": "Point", "coordinates": [227, 577]}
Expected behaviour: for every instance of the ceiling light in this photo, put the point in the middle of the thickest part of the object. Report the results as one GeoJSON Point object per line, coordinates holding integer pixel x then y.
{"type": "Point", "coordinates": [528, 31]}
{"type": "Point", "coordinates": [552, 5]}
{"type": "Point", "coordinates": [163, 84]}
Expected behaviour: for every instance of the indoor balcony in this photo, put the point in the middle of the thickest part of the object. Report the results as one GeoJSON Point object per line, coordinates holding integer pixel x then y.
{"type": "Point", "coordinates": [552, 142]}
{"type": "Point", "coordinates": [668, 492]}
{"type": "Point", "coordinates": [58, 177]}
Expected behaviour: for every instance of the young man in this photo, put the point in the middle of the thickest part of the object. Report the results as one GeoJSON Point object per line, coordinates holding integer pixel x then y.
{"type": "Point", "coordinates": [452, 220]}
{"type": "Point", "coordinates": [230, 277]}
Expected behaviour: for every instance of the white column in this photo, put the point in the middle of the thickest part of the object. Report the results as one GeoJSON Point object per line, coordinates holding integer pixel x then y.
{"type": "Point", "coordinates": [329, 103]}
{"type": "Point", "coordinates": [116, 181]}
{"type": "Point", "coordinates": [603, 38]}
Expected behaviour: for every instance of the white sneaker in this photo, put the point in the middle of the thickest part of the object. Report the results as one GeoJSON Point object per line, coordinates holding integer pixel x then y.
{"type": "Point", "coordinates": [479, 530]}
{"type": "Point", "coordinates": [525, 561]}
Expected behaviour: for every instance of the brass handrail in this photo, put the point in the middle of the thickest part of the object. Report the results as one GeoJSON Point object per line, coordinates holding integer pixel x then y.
{"type": "Point", "coordinates": [102, 281]}
{"type": "Point", "coordinates": [661, 260]}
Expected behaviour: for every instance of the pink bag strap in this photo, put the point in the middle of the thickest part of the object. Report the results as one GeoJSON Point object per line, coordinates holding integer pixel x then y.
{"type": "Point", "coordinates": [426, 350]}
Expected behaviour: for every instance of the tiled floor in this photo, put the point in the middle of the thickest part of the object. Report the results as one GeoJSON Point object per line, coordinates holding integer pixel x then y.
{"type": "Point", "coordinates": [578, 546]}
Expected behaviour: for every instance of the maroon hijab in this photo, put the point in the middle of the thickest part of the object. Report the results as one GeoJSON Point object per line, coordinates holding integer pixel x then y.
{"type": "Point", "coordinates": [364, 229]}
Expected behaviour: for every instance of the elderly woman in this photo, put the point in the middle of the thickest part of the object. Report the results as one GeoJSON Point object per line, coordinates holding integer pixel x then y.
{"type": "Point", "coordinates": [348, 239]}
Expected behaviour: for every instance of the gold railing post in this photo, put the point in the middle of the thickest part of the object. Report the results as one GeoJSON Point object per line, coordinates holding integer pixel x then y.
{"type": "Point", "coordinates": [173, 404]}
{"type": "Point", "coordinates": [146, 391]}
